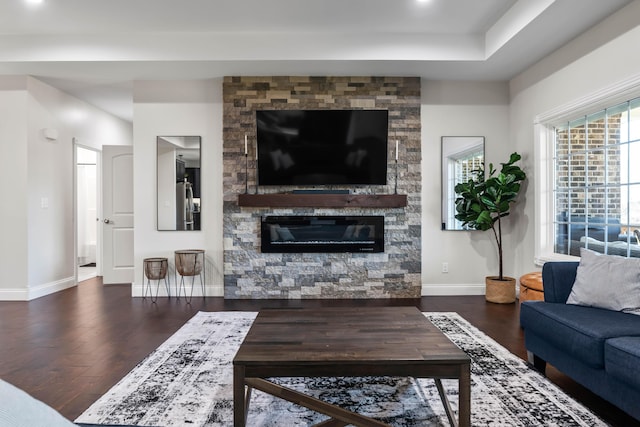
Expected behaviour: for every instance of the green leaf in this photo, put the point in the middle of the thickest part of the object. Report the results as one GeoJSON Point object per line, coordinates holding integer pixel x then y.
{"type": "Point", "coordinates": [481, 201]}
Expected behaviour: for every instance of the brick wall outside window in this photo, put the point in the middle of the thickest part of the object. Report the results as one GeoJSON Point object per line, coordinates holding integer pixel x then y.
{"type": "Point", "coordinates": [592, 184]}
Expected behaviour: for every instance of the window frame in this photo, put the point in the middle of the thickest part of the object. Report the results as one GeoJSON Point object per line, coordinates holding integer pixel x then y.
{"type": "Point", "coordinates": [544, 137]}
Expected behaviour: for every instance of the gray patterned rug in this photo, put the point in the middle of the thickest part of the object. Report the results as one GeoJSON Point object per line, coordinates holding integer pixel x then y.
{"type": "Point", "coordinates": [188, 380]}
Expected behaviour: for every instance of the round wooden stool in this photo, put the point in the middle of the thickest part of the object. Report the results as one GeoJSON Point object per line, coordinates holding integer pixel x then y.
{"type": "Point", "coordinates": [531, 287]}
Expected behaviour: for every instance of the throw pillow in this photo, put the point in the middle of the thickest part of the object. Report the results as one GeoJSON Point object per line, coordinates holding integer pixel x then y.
{"type": "Point", "coordinates": [273, 231]}
{"type": "Point", "coordinates": [348, 232]}
{"type": "Point", "coordinates": [607, 281]}
{"type": "Point", "coordinates": [18, 409]}
{"type": "Point", "coordinates": [285, 234]}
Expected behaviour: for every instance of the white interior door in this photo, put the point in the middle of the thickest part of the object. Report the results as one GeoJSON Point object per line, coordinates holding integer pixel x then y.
{"type": "Point", "coordinates": [117, 205]}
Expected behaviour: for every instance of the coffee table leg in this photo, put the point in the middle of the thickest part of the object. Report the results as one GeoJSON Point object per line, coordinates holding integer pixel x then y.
{"type": "Point", "coordinates": [464, 390]}
{"type": "Point", "coordinates": [239, 404]}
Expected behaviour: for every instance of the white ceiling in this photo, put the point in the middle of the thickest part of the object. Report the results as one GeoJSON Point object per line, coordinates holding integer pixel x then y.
{"type": "Point", "coordinates": [95, 49]}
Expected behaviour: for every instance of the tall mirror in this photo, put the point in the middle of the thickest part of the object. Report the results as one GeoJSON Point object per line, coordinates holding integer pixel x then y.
{"type": "Point", "coordinates": [178, 183]}
{"type": "Point", "coordinates": [462, 156]}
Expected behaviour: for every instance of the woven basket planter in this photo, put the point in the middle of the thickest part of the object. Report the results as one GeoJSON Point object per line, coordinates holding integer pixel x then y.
{"type": "Point", "coordinates": [500, 291]}
{"type": "Point", "coordinates": [189, 262]}
{"type": "Point", "coordinates": [155, 268]}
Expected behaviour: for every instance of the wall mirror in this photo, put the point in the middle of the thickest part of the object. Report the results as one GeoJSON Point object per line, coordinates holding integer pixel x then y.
{"type": "Point", "coordinates": [462, 156]}
{"type": "Point", "coordinates": [178, 183]}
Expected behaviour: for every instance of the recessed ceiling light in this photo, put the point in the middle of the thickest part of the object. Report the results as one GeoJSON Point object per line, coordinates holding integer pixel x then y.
{"type": "Point", "coordinates": [34, 1]}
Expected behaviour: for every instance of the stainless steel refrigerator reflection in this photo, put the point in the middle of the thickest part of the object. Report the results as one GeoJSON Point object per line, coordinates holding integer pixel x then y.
{"type": "Point", "coordinates": [184, 206]}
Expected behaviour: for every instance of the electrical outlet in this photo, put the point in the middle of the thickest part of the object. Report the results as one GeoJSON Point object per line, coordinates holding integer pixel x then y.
{"type": "Point", "coordinates": [445, 267]}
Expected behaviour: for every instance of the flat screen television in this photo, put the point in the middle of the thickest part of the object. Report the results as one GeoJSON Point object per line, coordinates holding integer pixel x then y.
{"type": "Point", "coordinates": [322, 147]}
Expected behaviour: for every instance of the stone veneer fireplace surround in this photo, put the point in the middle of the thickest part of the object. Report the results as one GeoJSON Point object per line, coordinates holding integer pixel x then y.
{"type": "Point", "coordinates": [250, 273]}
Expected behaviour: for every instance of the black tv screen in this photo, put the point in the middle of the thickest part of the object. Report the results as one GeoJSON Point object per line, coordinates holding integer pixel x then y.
{"type": "Point", "coordinates": [322, 147]}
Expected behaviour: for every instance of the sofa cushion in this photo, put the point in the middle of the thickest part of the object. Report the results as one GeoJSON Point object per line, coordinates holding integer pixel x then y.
{"type": "Point", "coordinates": [618, 247]}
{"type": "Point", "coordinates": [607, 281]}
{"type": "Point", "coordinates": [576, 330]}
{"type": "Point", "coordinates": [622, 359]}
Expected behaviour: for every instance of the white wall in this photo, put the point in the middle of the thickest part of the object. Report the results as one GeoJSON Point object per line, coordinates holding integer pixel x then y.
{"type": "Point", "coordinates": [459, 109]}
{"type": "Point", "coordinates": [47, 171]}
{"type": "Point", "coordinates": [561, 80]}
{"type": "Point", "coordinates": [13, 191]}
{"type": "Point", "coordinates": [178, 108]}
{"type": "Point", "coordinates": [598, 61]}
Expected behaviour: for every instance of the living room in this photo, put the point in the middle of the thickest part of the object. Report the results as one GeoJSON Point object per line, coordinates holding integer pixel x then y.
{"type": "Point", "coordinates": [509, 114]}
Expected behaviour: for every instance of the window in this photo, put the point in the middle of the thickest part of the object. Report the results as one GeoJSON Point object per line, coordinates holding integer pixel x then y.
{"type": "Point", "coordinates": [596, 192]}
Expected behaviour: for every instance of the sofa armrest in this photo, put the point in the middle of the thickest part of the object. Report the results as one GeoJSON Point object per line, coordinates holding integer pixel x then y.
{"type": "Point", "coordinates": [557, 279]}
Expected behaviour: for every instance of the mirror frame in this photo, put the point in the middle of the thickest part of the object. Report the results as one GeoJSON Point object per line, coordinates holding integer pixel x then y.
{"type": "Point", "coordinates": [455, 148]}
{"type": "Point", "coordinates": [169, 151]}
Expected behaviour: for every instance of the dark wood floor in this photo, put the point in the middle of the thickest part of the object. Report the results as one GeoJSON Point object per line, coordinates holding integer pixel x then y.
{"type": "Point", "coordinates": [69, 348]}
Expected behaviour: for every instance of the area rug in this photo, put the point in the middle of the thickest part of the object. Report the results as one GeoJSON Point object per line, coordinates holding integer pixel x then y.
{"type": "Point", "coordinates": [188, 380]}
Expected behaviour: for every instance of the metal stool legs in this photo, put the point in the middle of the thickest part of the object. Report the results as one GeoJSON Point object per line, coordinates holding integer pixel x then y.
{"type": "Point", "coordinates": [155, 269]}
{"type": "Point", "coordinates": [190, 263]}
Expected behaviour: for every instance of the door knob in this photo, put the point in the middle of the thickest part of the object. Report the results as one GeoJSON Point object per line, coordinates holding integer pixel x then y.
{"type": "Point", "coordinates": [107, 221]}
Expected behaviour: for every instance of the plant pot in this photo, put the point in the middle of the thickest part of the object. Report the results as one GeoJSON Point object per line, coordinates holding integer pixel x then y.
{"type": "Point", "coordinates": [189, 262]}
{"type": "Point", "coordinates": [500, 291]}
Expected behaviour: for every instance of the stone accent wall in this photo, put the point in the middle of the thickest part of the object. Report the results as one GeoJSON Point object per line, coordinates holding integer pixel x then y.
{"type": "Point", "coordinates": [248, 273]}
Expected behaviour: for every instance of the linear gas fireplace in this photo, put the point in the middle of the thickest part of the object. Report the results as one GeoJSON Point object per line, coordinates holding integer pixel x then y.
{"type": "Point", "coordinates": [322, 234]}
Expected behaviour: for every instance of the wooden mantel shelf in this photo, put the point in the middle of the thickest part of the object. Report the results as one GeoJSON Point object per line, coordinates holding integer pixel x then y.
{"type": "Point", "coordinates": [323, 200]}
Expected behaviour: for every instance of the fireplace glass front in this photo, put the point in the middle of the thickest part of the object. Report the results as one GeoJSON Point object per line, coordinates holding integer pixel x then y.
{"type": "Point", "coordinates": [322, 234]}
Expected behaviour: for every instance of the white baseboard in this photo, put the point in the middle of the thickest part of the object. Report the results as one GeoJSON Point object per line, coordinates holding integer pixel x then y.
{"type": "Point", "coordinates": [452, 289]}
{"type": "Point", "coordinates": [28, 294]}
{"type": "Point", "coordinates": [82, 277]}
{"type": "Point", "coordinates": [14, 294]}
{"type": "Point", "coordinates": [137, 290]}
{"type": "Point", "coordinates": [51, 287]}
{"type": "Point", "coordinates": [21, 294]}
{"type": "Point", "coordinates": [427, 290]}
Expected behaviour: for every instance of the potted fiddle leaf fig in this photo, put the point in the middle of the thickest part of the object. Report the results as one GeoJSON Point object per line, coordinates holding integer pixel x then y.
{"type": "Point", "coordinates": [481, 204]}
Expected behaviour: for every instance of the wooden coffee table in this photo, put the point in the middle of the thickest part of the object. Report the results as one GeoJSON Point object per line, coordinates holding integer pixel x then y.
{"type": "Point", "coordinates": [353, 342]}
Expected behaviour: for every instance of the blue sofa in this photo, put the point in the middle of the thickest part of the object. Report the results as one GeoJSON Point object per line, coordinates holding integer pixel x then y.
{"type": "Point", "coordinates": [598, 348]}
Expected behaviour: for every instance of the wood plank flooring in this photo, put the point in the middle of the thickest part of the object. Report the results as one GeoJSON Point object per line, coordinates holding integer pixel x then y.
{"type": "Point", "coordinates": [69, 348]}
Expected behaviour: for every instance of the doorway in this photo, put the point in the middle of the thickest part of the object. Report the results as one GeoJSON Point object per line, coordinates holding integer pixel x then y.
{"type": "Point", "coordinates": [87, 235]}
